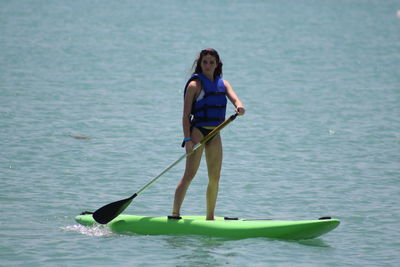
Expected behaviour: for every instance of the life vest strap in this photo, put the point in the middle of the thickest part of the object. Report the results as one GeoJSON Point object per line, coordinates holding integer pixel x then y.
{"type": "Point", "coordinates": [214, 93]}
{"type": "Point", "coordinates": [206, 107]}
{"type": "Point", "coordinates": [198, 120]}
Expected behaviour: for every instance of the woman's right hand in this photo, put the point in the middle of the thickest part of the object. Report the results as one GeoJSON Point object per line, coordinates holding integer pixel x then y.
{"type": "Point", "coordinates": [189, 147]}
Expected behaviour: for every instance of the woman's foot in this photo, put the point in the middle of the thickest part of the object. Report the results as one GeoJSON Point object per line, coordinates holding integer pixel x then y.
{"type": "Point", "coordinates": [174, 216]}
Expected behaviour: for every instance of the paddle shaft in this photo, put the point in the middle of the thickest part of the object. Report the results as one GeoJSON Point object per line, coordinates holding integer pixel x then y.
{"type": "Point", "coordinates": [213, 133]}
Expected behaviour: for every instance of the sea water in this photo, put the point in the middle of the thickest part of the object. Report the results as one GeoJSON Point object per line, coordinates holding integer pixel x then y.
{"type": "Point", "coordinates": [320, 80]}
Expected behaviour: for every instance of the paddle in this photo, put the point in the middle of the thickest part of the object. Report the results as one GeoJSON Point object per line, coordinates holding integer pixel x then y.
{"type": "Point", "coordinates": [110, 211]}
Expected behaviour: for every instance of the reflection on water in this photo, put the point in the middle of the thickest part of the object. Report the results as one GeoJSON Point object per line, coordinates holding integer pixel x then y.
{"type": "Point", "coordinates": [317, 242]}
{"type": "Point", "coordinates": [195, 249]}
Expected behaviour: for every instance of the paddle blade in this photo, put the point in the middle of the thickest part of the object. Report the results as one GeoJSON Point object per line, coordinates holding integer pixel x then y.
{"type": "Point", "coordinates": [110, 211]}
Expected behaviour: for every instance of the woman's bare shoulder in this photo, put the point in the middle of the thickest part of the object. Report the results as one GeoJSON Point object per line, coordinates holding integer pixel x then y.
{"type": "Point", "coordinates": [194, 85]}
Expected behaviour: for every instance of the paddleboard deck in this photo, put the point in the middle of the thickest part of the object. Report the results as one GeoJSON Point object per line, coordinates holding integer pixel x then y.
{"type": "Point", "coordinates": [220, 227]}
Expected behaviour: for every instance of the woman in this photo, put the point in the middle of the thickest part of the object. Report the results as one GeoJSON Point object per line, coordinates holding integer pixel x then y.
{"type": "Point", "coordinates": [204, 108]}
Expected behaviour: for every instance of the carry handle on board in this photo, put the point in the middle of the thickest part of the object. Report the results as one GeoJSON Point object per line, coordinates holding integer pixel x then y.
{"type": "Point", "coordinates": [110, 211]}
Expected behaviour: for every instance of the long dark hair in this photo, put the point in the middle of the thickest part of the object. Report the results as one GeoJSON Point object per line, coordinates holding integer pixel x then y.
{"type": "Point", "coordinates": [196, 68]}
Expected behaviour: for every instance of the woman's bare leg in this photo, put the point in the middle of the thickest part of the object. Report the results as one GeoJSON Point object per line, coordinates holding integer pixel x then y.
{"type": "Point", "coordinates": [214, 163]}
{"type": "Point", "coordinates": [192, 165]}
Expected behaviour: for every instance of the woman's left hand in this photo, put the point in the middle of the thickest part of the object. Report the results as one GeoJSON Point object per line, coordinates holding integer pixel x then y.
{"type": "Point", "coordinates": [240, 110]}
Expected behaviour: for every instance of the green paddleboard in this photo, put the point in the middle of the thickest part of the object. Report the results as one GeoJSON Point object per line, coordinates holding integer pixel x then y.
{"type": "Point", "coordinates": [221, 227]}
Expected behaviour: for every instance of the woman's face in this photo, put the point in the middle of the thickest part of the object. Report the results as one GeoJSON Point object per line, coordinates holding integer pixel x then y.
{"type": "Point", "coordinates": [208, 65]}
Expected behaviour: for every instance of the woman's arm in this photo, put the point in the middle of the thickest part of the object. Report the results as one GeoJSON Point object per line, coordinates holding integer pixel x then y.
{"type": "Point", "coordinates": [234, 99]}
{"type": "Point", "coordinates": [192, 91]}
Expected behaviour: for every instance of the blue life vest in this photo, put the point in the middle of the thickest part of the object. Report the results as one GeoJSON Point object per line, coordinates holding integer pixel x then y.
{"type": "Point", "coordinates": [210, 110]}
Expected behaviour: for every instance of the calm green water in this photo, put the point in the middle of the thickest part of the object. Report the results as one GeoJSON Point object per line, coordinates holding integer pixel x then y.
{"type": "Point", "coordinates": [321, 83]}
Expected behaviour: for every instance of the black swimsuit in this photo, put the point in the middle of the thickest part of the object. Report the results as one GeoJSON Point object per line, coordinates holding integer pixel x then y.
{"type": "Point", "coordinates": [204, 132]}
